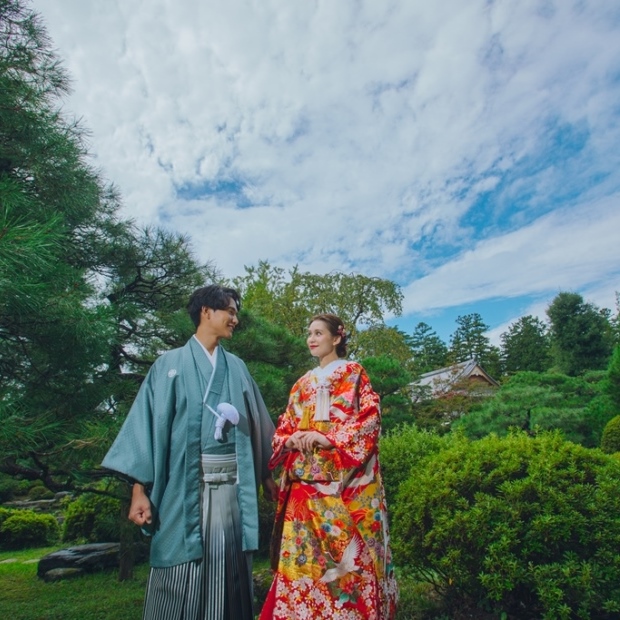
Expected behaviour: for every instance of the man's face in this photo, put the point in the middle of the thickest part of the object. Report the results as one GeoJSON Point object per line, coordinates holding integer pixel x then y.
{"type": "Point", "coordinates": [222, 323]}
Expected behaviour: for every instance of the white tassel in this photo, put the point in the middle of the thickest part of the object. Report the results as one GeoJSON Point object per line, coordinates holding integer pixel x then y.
{"type": "Point", "coordinates": [322, 404]}
{"type": "Point", "coordinates": [225, 413]}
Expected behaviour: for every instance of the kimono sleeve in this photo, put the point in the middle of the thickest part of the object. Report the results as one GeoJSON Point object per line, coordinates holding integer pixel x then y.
{"type": "Point", "coordinates": [132, 453]}
{"type": "Point", "coordinates": [287, 425]}
{"type": "Point", "coordinates": [355, 439]}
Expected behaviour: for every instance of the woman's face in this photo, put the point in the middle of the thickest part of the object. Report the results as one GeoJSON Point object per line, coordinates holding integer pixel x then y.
{"type": "Point", "coordinates": [320, 340]}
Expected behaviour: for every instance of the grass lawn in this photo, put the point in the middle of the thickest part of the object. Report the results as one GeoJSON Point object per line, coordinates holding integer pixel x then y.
{"type": "Point", "coordinates": [100, 596]}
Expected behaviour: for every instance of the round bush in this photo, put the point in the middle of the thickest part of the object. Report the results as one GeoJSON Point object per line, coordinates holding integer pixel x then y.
{"type": "Point", "coordinates": [40, 492]}
{"type": "Point", "coordinates": [403, 448]}
{"type": "Point", "coordinates": [26, 528]}
{"type": "Point", "coordinates": [5, 513]}
{"type": "Point", "coordinates": [529, 527]}
{"type": "Point", "coordinates": [8, 488]}
{"type": "Point", "coordinates": [92, 518]}
{"type": "Point", "coordinates": [610, 440]}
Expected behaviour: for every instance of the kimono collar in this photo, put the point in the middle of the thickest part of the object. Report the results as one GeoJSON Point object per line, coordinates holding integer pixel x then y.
{"type": "Point", "coordinates": [326, 371]}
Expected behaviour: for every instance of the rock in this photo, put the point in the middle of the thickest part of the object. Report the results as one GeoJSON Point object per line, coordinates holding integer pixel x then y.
{"type": "Point", "coordinates": [56, 574]}
{"type": "Point", "coordinates": [87, 558]}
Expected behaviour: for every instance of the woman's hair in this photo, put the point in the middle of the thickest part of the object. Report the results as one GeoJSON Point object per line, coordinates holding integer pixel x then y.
{"type": "Point", "coordinates": [213, 296]}
{"type": "Point", "coordinates": [336, 328]}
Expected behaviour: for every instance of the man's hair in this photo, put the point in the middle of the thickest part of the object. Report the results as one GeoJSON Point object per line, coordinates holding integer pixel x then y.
{"type": "Point", "coordinates": [213, 296]}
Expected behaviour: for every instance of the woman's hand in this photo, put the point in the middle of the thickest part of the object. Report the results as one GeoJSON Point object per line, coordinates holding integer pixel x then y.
{"type": "Point", "coordinates": [305, 441]}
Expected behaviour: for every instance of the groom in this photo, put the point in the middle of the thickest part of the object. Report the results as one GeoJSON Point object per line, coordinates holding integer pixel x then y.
{"type": "Point", "coordinates": [195, 485]}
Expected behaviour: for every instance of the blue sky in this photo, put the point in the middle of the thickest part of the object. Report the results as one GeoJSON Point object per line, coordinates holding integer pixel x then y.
{"type": "Point", "coordinates": [467, 151]}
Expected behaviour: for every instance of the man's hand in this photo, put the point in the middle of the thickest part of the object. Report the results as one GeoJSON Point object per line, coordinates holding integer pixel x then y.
{"type": "Point", "coordinates": [140, 508]}
{"type": "Point", "coordinates": [270, 489]}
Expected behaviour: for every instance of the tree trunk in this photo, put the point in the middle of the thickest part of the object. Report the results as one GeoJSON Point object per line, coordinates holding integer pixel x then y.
{"type": "Point", "coordinates": [127, 557]}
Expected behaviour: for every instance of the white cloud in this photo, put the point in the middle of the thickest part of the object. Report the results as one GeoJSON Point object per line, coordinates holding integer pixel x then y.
{"type": "Point", "coordinates": [362, 132]}
{"type": "Point", "coordinates": [569, 249]}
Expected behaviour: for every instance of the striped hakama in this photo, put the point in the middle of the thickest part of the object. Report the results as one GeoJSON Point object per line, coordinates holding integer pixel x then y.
{"type": "Point", "coordinates": [220, 586]}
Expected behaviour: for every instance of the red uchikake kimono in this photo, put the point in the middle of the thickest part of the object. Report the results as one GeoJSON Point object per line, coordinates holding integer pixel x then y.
{"type": "Point", "coordinates": [331, 552]}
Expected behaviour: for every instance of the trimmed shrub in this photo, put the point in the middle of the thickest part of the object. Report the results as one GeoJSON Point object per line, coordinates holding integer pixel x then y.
{"type": "Point", "coordinates": [528, 527]}
{"type": "Point", "coordinates": [4, 514]}
{"type": "Point", "coordinates": [8, 488]}
{"type": "Point", "coordinates": [26, 528]}
{"type": "Point", "coordinates": [40, 492]}
{"type": "Point", "coordinates": [403, 448]}
{"type": "Point", "coordinates": [610, 441]}
{"type": "Point", "coordinates": [92, 518]}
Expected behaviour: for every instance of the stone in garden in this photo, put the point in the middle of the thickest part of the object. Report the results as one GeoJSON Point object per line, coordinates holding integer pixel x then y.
{"type": "Point", "coordinates": [56, 574]}
{"type": "Point", "coordinates": [88, 558]}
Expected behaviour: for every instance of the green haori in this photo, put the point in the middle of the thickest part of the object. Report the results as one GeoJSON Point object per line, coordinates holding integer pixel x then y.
{"type": "Point", "coordinates": [159, 446]}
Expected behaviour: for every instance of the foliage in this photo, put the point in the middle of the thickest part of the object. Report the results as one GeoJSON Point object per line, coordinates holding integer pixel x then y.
{"type": "Point", "coordinates": [581, 335]}
{"type": "Point", "coordinates": [9, 488]}
{"type": "Point", "coordinates": [38, 491]}
{"type": "Point", "coordinates": [86, 300]}
{"type": "Point", "coordinates": [92, 518]}
{"type": "Point", "coordinates": [524, 526]}
{"type": "Point", "coordinates": [469, 341]}
{"type": "Point", "coordinates": [610, 441]}
{"type": "Point", "coordinates": [380, 340]}
{"type": "Point", "coordinates": [430, 352]}
{"type": "Point", "coordinates": [386, 374]}
{"type": "Point", "coordinates": [403, 448]}
{"type": "Point", "coordinates": [26, 528]}
{"type": "Point", "coordinates": [292, 299]}
{"type": "Point", "coordinates": [275, 357]}
{"type": "Point", "coordinates": [613, 378]}
{"type": "Point", "coordinates": [526, 346]}
{"type": "Point", "coordinates": [543, 401]}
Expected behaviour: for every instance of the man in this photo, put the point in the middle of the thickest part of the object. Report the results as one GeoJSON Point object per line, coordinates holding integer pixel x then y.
{"type": "Point", "coordinates": [196, 442]}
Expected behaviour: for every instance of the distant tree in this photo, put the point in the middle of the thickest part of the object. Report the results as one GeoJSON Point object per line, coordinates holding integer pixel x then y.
{"type": "Point", "coordinates": [469, 341]}
{"type": "Point", "coordinates": [429, 350]}
{"type": "Point", "coordinates": [610, 439]}
{"type": "Point", "coordinates": [581, 334]}
{"type": "Point", "coordinates": [532, 401]}
{"type": "Point", "coordinates": [615, 321]}
{"type": "Point", "coordinates": [292, 299]}
{"type": "Point", "coordinates": [526, 346]}
{"type": "Point", "coordinates": [390, 380]}
{"type": "Point", "coordinates": [386, 374]}
{"type": "Point", "coordinates": [613, 378]}
{"type": "Point", "coordinates": [275, 357]}
{"type": "Point", "coordinates": [380, 340]}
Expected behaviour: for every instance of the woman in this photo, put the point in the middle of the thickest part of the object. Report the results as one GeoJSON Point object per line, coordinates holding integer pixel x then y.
{"type": "Point", "coordinates": [330, 546]}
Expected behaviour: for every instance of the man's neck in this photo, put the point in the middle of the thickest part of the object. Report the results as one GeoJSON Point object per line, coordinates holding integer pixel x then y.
{"type": "Point", "coordinates": [208, 341]}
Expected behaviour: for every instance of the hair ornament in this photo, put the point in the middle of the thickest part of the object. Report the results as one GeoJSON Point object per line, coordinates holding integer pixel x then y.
{"type": "Point", "coordinates": [340, 331]}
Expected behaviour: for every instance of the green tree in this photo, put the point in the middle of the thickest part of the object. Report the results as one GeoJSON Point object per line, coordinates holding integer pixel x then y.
{"type": "Point", "coordinates": [516, 527]}
{"type": "Point", "coordinates": [292, 299]}
{"type": "Point", "coordinates": [532, 402]}
{"type": "Point", "coordinates": [581, 334]}
{"type": "Point", "coordinates": [87, 301]}
{"type": "Point", "coordinates": [526, 346]}
{"type": "Point", "coordinates": [275, 357]}
{"type": "Point", "coordinates": [430, 352]}
{"type": "Point", "coordinates": [380, 340]}
{"type": "Point", "coordinates": [613, 378]}
{"type": "Point", "coordinates": [54, 211]}
{"type": "Point", "coordinates": [469, 341]}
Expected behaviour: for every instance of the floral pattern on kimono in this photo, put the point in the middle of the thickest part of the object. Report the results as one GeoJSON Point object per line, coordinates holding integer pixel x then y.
{"type": "Point", "coordinates": [331, 551]}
